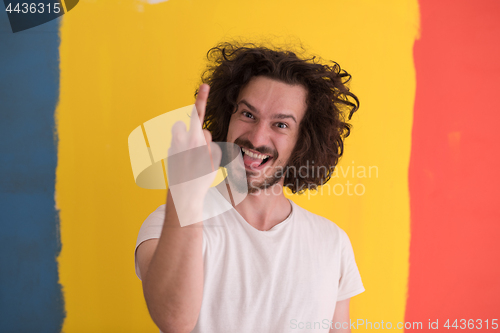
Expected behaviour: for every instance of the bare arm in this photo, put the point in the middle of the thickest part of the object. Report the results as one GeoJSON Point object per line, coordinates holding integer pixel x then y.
{"type": "Point", "coordinates": [172, 273]}
{"type": "Point", "coordinates": [341, 316]}
{"type": "Point", "coordinates": [171, 267]}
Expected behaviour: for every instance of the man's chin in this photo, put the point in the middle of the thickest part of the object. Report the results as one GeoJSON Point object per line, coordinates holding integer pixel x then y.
{"type": "Point", "coordinates": [256, 186]}
{"type": "Point", "coordinates": [256, 180]}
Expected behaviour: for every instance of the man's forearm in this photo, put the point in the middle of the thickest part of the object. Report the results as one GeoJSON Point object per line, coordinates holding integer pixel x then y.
{"type": "Point", "coordinates": [173, 285]}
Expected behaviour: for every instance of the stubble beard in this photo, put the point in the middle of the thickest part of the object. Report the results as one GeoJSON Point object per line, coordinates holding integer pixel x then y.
{"type": "Point", "coordinates": [252, 185]}
{"type": "Point", "coordinates": [255, 186]}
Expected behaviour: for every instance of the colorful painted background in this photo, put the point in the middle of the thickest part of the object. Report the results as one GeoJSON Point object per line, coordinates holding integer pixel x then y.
{"type": "Point", "coordinates": [425, 230]}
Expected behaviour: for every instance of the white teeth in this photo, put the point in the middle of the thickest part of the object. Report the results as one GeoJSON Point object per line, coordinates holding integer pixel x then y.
{"type": "Point", "coordinates": [249, 153]}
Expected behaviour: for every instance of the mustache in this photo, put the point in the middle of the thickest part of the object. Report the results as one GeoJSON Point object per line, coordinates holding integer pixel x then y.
{"type": "Point", "coordinates": [262, 149]}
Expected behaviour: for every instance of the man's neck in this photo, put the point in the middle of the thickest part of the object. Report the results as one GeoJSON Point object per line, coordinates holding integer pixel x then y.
{"type": "Point", "coordinates": [265, 209]}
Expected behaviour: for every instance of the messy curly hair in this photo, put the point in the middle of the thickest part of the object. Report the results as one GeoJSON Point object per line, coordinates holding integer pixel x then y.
{"type": "Point", "coordinates": [329, 102]}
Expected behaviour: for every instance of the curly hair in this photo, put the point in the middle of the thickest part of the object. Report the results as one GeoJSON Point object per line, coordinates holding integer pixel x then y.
{"type": "Point", "coordinates": [329, 102]}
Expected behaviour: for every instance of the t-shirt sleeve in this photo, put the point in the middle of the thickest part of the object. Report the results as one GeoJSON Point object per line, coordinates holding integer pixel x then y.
{"type": "Point", "coordinates": [151, 228]}
{"type": "Point", "coordinates": [350, 283]}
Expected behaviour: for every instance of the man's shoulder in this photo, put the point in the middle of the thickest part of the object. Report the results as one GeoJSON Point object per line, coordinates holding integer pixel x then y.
{"type": "Point", "coordinates": [160, 211]}
{"type": "Point", "coordinates": [315, 220]}
{"type": "Point", "coordinates": [156, 218]}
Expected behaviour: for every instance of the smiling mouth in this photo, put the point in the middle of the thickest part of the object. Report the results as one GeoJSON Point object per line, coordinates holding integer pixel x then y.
{"type": "Point", "coordinates": [254, 160]}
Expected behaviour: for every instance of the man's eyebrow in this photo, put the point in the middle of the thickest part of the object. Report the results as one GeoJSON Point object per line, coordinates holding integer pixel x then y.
{"type": "Point", "coordinates": [275, 116]}
{"type": "Point", "coordinates": [284, 116]}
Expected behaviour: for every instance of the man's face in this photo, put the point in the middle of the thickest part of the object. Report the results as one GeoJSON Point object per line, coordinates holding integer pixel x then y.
{"type": "Point", "coordinates": [266, 127]}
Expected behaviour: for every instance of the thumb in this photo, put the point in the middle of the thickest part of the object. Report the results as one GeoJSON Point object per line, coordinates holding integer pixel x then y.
{"type": "Point", "coordinates": [215, 155]}
{"type": "Point", "coordinates": [208, 140]}
{"type": "Point", "coordinates": [208, 136]}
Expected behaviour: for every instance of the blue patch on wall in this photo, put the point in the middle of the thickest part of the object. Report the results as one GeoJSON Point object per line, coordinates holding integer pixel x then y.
{"type": "Point", "coordinates": [31, 298]}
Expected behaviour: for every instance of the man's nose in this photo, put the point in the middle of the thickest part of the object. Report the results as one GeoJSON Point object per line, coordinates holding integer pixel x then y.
{"type": "Point", "coordinates": [259, 135]}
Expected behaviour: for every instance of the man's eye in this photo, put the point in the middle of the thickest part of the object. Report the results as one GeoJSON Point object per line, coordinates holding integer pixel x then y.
{"type": "Point", "coordinates": [247, 114]}
{"type": "Point", "coordinates": [281, 125]}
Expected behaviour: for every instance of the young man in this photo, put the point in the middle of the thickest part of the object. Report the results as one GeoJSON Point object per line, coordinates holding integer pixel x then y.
{"type": "Point", "coordinates": [266, 264]}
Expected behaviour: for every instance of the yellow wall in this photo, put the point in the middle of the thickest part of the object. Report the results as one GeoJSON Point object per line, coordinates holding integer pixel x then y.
{"type": "Point", "coordinates": [125, 62]}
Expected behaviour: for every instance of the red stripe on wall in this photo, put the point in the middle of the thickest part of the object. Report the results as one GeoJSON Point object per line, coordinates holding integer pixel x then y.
{"type": "Point", "coordinates": [455, 165]}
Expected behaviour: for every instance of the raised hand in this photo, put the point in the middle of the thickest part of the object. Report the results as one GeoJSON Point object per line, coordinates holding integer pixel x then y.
{"type": "Point", "coordinates": [193, 162]}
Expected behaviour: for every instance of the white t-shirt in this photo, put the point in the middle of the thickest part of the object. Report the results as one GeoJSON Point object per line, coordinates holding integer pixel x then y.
{"type": "Point", "coordinates": [286, 279]}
